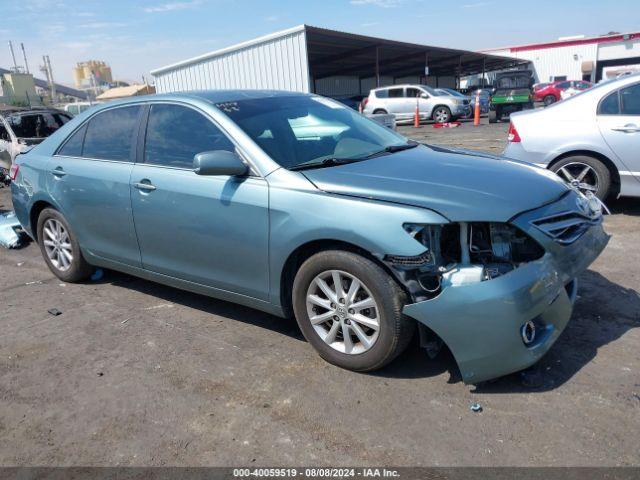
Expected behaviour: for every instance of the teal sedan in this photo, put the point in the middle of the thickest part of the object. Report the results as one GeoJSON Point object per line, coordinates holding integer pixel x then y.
{"type": "Point", "coordinates": [298, 206]}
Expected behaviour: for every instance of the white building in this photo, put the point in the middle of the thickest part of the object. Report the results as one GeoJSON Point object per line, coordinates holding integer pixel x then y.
{"type": "Point", "coordinates": [311, 59]}
{"type": "Point", "coordinates": [578, 58]}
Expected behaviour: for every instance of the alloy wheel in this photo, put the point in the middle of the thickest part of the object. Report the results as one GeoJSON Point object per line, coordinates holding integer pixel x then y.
{"type": "Point", "coordinates": [581, 176]}
{"type": "Point", "coordinates": [343, 312]}
{"type": "Point", "coordinates": [57, 244]}
{"type": "Point", "coordinates": [441, 115]}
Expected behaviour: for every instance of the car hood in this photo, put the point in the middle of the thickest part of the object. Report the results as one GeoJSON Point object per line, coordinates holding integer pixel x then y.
{"type": "Point", "coordinates": [455, 183]}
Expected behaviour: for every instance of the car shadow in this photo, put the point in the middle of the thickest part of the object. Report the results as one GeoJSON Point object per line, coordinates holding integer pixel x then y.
{"type": "Point", "coordinates": [625, 206]}
{"type": "Point", "coordinates": [283, 326]}
{"type": "Point", "coordinates": [603, 313]}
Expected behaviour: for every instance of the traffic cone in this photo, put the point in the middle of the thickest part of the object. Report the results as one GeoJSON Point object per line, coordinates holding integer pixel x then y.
{"type": "Point", "coordinates": [476, 113]}
{"type": "Point", "coordinates": [416, 117]}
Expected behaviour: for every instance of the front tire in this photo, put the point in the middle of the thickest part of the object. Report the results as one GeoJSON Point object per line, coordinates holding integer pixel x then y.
{"type": "Point", "coordinates": [350, 310]}
{"type": "Point", "coordinates": [588, 174]}
{"type": "Point", "coordinates": [60, 247]}
{"type": "Point", "coordinates": [441, 115]}
{"type": "Point", "coordinates": [548, 100]}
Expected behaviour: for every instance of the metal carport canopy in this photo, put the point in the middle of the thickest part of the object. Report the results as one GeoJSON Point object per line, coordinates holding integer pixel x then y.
{"type": "Point", "coordinates": [332, 53]}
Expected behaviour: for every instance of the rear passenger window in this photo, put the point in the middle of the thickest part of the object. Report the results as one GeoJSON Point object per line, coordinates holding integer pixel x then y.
{"type": "Point", "coordinates": [110, 134]}
{"type": "Point", "coordinates": [175, 134]}
{"type": "Point", "coordinates": [396, 92]}
{"type": "Point", "coordinates": [382, 93]}
{"type": "Point", "coordinates": [610, 105]}
{"type": "Point", "coordinates": [73, 146]}
{"type": "Point", "coordinates": [630, 97]}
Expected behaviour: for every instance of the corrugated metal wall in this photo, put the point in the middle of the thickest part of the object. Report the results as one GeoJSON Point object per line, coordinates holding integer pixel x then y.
{"type": "Point", "coordinates": [549, 63]}
{"type": "Point", "coordinates": [278, 63]}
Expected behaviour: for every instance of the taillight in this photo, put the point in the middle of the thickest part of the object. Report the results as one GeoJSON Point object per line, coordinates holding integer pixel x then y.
{"type": "Point", "coordinates": [366, 100]}
{"type": "Point", "coordinates": [513, 135]}
{"type": "Point", "coordinates": [13, 171]}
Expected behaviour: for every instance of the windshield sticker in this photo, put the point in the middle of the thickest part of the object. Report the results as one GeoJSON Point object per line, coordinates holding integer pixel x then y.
{"type": "Point", "coordinates": [328, 103]}
{"type": "Point", "coordinates": [228, 107]}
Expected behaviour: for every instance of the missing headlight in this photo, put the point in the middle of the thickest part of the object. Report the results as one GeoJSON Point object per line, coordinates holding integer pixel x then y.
{"type": "Point", "coordinates": [461, 253]}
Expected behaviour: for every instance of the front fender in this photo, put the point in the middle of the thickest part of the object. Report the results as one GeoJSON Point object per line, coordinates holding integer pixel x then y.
{"type": "Point", "coordinates": [298, 217]}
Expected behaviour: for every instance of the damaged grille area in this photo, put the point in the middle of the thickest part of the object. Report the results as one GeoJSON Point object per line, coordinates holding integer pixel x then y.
{"type": "Point", "coordinates": [565, 228]}
{"type": "Point", "coordinates": [462, 253]}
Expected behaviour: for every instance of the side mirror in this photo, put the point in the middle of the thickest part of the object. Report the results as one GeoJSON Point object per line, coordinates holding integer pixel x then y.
{"type": "Point", "coordinates": [219, 162]}
{"type": "Point", "coordinates": [424, 95]}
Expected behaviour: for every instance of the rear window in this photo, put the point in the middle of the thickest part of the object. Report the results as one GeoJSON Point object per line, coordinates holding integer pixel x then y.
{"type": "Point", "coordinates": [73, 146]}
{"type": "Point", "coordinates": [110, 134]}
{"type": "Point", "coordinates": [630, 97]}
{"type": "Point", "coordinates": [610, 105]}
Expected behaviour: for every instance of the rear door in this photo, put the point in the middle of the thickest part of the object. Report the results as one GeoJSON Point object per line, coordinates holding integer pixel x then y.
{"type": "Point", "coordinates": [210, 230]}
{"type": "Point", "coordinates": [619, 123]}
{"type": "Point", "coordinates": [397, 104]}
{"type": "Point", "coordinates": [89, 179]}
{"type": "Point", "coordinates": [5, 145]}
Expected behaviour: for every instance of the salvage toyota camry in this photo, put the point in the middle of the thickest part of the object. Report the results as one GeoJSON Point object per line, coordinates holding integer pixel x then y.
{"type": "Point", "coordinates": [297, 205]}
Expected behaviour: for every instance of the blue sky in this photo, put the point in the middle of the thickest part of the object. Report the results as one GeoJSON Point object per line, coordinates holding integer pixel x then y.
{"type": "Point", "coordinates": [135, 37]}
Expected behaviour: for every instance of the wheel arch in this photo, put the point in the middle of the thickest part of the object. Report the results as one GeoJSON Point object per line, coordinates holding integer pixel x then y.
{"type": "Point", "coordinates": [34, 213]}
{"type": "Point", "coordinates": [298, 256]}
{"type": "Point", "coordinates": [613, 169]}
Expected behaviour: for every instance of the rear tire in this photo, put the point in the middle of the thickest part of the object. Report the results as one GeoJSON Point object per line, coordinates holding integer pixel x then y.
{"type": "Point", "coordinates": [60, 247]}
{"type": "Point", "coordinates": [493, 116]}
{"type": "Point", "coordinates": [380, 110]}
{"type": "Point", "coordinates": [586, 173]}
{"type": "Point", "coordinates": [384, 342]}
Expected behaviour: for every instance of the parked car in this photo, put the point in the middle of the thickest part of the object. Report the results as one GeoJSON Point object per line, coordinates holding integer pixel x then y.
{"type": "Point", "coordinates": [77, 108]}
{"type": "Point", "coordinates": [511, 93]}
{"type": "Point", "coordinates": [20, 129]}
{"type": "Point", "coordinates": [400, 100]}
{"type": "Point", "coordinates": [456, 94]}
{"type": "Point", "coordinates": [362, 235]}
{"type": "Point", "coordinates": [591, 140]}
{"type": "Point", "coordinates": [485, 99]}
{"type": "Point", "coordinates": [552, 92]}
{"type": "Point", "coordinates": [351, 101]}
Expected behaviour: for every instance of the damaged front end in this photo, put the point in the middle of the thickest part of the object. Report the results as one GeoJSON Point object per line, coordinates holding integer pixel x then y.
{"type": "Point", "coordinates": [499, 294]}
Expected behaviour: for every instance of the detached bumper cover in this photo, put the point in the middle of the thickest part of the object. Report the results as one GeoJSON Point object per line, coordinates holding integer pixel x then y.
{"type": "Point", "coordinates": [480, 323]}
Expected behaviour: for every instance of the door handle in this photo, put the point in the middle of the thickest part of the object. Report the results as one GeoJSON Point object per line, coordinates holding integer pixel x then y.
{"type": "Point", "coordinates": [630, 128]}
{"type": "Point", "coordinates": [58, 172]}
{"type": "Point", "coordinates": [144, 185]}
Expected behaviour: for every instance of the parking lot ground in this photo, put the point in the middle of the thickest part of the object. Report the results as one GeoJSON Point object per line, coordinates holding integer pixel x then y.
{"type": "Point", "coordinates": [486, 137]}
{"type": "Point", "coordinates": [135, 373]}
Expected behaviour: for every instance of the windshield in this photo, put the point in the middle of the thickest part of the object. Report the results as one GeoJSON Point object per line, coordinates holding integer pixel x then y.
{"type": "Point", "coordinates": [295, 130]}
{"type": "Point", "coordinates": [453, 93]}
{"type": "Point", "coordinates": [36, 125]}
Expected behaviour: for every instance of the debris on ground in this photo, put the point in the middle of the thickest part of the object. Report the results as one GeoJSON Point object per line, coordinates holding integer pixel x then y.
{"type": "Point", "coordinates": [54, 311]}
{"type": "Point", "coordinates": [476, 407]}
{"type": "Point", "coordinates": [9, 226]}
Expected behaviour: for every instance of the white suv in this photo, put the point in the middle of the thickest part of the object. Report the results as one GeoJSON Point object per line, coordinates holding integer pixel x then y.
{"type": "Point", "coordinates": [400, 100]}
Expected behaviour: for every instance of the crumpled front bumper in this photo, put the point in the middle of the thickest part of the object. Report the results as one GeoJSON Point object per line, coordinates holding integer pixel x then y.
{"type": "Point", "coordinates": [480, 323]}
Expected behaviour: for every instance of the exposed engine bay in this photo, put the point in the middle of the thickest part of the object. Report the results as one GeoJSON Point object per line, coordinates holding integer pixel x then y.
{"type": "Point", "coordinates": [461, 253]}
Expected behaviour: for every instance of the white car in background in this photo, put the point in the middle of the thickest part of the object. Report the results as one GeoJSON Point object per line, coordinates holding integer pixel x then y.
{"type": "Point", "coordinates": [592, 140]}
{"type": "Point", "coordinates": [401, 101]}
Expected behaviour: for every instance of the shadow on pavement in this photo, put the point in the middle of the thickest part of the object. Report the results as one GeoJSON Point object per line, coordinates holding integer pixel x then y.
{"type": "Point", "coordinates": [232, 311]}
{"type": "Point", "coordinates": [625, 205]}
{"type": "Point", "coordinates": [603, 313]}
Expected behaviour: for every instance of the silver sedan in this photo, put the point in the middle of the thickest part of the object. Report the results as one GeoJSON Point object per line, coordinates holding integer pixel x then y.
{"type": "Point", "coordinates": [591, 140]}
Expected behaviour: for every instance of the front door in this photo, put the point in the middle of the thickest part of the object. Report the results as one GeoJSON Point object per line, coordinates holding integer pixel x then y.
{"type": "Point", "coordinates": [89, 179]}
{"type": "Point", "coordinates": [210, 230]}
{"type": "Point", "coordinates": [619, 123]}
